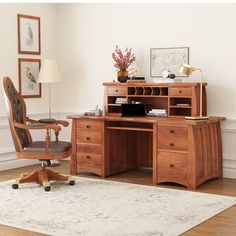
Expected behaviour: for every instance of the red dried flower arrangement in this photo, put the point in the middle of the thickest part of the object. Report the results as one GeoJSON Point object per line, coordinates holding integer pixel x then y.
{"type": "Point", "coordinates": [123, 60]}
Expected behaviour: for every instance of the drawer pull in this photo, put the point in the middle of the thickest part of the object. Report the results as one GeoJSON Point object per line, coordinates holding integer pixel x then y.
{"type": "Point", "coordinates": [88, 138]}
{"type": "Point", "coordinates": [88, 157]}
{"type": "Point", "coordinates": [180, 91]}
{"type": "Point", "coordinates": [117, 90]}
{"type": "Point", "coordinates": [171, 165]}
{"type": "Point", "coordinates": [172, 145]}
{"type": "Point", "coordinates": [172, 131]}
{"type": "Point", "coordinates": [87, 126]}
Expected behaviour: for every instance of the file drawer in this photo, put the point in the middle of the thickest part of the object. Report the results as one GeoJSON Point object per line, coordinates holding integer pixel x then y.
{"type": "Point", "coordinates": [88, 162]}
{"type": "Point", "coordinates": [172, 167]}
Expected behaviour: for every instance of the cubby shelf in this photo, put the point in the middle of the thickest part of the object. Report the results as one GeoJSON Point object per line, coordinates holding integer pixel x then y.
{"type": "Point", "coordinates": [149, 96]}
{"type": "Point", "coordinates": [166, 96]}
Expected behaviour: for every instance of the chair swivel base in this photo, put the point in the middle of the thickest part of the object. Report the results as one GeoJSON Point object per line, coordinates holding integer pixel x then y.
{"type": "Point", "coordinates": [43, 177]}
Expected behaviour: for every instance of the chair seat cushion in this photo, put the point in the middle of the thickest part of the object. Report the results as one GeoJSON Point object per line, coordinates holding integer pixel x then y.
{"type": "Point", "coordinates": [56, 147]}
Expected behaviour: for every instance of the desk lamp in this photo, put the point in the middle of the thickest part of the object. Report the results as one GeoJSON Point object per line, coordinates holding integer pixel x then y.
{"type": "Point", "coordinates": [188, 70]}
{"type": "Point", "coordinates": [49, 74]}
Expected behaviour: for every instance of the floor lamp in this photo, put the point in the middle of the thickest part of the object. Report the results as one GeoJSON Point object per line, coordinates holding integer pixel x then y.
{"type": "Point", "coordinates": [49, 74]}
{"type": "Point", "coordinates": [186, 69]}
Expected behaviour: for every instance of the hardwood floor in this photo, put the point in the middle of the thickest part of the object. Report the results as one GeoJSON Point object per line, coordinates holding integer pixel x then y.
{"type": "Point", "coordinates": [220, 225]}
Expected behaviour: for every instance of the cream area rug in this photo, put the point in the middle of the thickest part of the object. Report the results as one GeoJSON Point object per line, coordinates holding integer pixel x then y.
{"type": "Point", "coordinates": [105, 208]}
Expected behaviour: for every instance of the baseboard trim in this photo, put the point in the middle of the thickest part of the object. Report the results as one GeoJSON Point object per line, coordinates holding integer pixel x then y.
{"type": "Point", "coordinates": [16, 163]}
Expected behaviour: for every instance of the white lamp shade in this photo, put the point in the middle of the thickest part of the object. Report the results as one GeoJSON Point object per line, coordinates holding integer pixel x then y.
{"type": "Point", "coordinates": [49, 72]}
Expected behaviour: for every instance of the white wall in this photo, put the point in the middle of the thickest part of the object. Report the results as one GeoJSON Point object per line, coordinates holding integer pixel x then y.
{"type": "Point", "coordinates": [88, 34]}
{"type": "Point", "coordinates": [9, 66]}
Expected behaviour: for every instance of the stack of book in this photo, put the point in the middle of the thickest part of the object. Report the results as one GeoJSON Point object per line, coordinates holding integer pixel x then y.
{"type": "Point", "coordinates": [157, 112]}
{"type": "Point", "coordinates": [121, 100]}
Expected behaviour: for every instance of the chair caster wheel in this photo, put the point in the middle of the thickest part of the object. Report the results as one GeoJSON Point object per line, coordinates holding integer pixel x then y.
{"type": "Point", "coordinates": [15, 186]}
{"type": "Point", "coordinates": [71, 182]}
{"type": "Point", "coordinates": [47, 188]}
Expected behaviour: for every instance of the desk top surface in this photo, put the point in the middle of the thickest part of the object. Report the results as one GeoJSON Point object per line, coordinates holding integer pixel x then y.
{"type": "Point", "coordinates": [149, 119]}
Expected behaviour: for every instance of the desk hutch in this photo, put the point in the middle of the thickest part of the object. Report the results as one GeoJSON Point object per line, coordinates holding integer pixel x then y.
{"type": "Point", "coordinates": [187, 152]}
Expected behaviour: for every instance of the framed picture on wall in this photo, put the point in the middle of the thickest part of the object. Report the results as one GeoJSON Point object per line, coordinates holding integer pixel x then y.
{"type": "Point", "coordinates": [28, 77]}
{"type": "Point", "coordinates": [168, 59]}
{"type": "Point", "coordinates": [28, 34]}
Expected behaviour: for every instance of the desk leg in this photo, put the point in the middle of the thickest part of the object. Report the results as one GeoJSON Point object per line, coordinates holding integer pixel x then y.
{"type": "Point", "coordinates": [73, 162]}
{"type": "Point", "coordinates": [154, 155]}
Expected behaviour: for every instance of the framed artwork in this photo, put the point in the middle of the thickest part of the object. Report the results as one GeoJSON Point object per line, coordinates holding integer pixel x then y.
{"type": "Point", "coordinates": [28, 34]}
{"type": "Point", "coordinates": [168, 59]}
{"type": "Point", "coordinates": [28, 77]}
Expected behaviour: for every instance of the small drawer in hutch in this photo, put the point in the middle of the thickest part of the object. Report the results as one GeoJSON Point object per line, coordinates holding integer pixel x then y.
{"type": "Point", "coordinates": [116, 91]}
{"type": "Point", "coordinates": [180, 92]}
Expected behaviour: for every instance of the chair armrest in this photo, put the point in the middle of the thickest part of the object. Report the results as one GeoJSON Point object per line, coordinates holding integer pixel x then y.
{"type": "Point", "coordinates": [38, 126]}
{"type": "Point", "coordinates": [31, 120]}
{"type": "Point", "coordinates": [61, 122]}
{"type": "Point", "coordinates": [56, 122]}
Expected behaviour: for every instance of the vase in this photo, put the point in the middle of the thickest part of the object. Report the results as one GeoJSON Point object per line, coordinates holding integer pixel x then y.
{"type": "Point", "coordinates": [122, 76]}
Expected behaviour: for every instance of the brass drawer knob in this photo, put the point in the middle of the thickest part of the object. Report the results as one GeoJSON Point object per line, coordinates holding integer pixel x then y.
{"type": "Point", "coordinates": [172, 145]}
{"type": "Point", "coordinates": [87, 126]}
{"type": "Point", "coordinates": [171, 165]}
{"type": "Point", "coordinates": [88, 138]}
{"type": "Point", "coordinates": [172, 131]}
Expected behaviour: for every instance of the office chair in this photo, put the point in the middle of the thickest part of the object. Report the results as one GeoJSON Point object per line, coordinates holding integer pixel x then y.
{"type": "Point", "coordinates": [27, 148]}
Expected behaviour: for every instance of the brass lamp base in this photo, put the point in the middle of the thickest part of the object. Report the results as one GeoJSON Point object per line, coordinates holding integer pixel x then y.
{"type": "Point", "coordinates": [196, 117]}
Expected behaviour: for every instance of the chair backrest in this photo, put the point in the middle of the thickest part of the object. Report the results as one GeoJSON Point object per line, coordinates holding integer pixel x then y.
{"type": "Point", "coordinates": [16, 113]}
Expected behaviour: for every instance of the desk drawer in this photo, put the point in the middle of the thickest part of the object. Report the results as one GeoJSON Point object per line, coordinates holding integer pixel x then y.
{"type": "Point", "coordinates": [172, 144]}
{"type": "Point", "coordinates": [89, 163]}
{"type": "Point", "coordinates": [172, 131]}
{"type": "Point", "coordinates": [172, 166]}
{"type": "Point", "coordinates": [85, 136]}
{"type": "Point", "coordinates": [90, 125]}
{"type": "Point", "coordinates": [89, 148]}
{"type": "Point", "coordinates": [180, 92]}
{"type": "Point", "coordinates": [114, 91]}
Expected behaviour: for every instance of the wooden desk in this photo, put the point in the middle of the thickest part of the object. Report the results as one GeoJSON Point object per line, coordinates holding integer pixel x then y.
{"type": "Point", "coordinates": [183, 151]}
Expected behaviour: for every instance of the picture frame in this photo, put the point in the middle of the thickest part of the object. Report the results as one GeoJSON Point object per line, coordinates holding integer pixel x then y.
{"type": "Point", "coordinates": [28, 70]}
{"type": "Point", "coordinates": [168, 59]}
{"type": "Point", "coordinates": [28, 34]}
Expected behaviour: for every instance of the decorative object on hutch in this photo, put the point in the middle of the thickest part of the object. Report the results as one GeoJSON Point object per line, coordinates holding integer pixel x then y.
{"type": "Point", "coordinates": [188, 70]}
{"type": "Point", "coordinates": [28, 34]}
{"type": "Point", "coordinates": [28, 70]}
{"type": "Point", "coordinates": [167, 59]}
{"type": "Point", "coordinates": [49, 73]}
{"type": "Point", "coordinates": [122, 62]}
